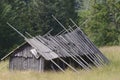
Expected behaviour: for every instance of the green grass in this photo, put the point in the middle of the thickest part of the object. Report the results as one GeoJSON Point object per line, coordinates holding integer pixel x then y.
{"type": "Point", "coordinates": [107, 72]}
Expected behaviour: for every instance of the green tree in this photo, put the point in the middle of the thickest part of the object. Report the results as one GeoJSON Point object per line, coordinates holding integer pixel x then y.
{"type": "Point", "coordinates": [33, 16]}
{"type": "Point", "coordinates": [62, 9]}
{"type": "Point", "coordinates": [103, 23]}
{"type": "Point", "coordinates": [23, 16]}
{"type": "Point", "coordinates": [6, 34]}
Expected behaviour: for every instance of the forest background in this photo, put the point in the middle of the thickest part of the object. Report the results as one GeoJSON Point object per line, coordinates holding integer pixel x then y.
{"type": "Point", "coordinates": [99, 19]}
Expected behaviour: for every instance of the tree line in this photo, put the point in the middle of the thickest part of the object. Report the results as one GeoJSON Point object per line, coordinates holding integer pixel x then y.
{"type": "Point", "coordinates": [100, 20]}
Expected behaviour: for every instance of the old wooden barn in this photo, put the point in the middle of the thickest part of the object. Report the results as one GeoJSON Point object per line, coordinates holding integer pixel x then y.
{"type": "Point", "coordinates": [69, 48]}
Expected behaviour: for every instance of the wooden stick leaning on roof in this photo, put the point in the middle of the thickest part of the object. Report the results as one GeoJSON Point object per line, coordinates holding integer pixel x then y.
{"type": "Point", "coordinates": [81, 38]}
{"type": "Point", "coordinates": [80, 44]}
{"type": "Point", "coordinates": [69, 37]}
{"type": "Point", "coordinates": [90, 43]}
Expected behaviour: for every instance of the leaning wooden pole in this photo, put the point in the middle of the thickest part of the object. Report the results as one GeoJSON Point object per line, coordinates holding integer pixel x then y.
{"type": "Point", "coordinates": [95, 63]}
{"type": "Point", "coordinates": [83, 45]}
{"type": "Point", "coordinates": [101, 55]}
{"type": "Point", "coordinates": [66, 31]}
{"type": "Point", "coordinates": [16, 30]}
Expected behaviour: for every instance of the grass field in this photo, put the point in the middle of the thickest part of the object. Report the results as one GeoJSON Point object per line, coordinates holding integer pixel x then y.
{"type": "Point", "coordinates": [107, 72]}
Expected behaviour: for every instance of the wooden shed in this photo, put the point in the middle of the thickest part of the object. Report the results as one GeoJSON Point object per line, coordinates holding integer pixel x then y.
{"type": "Point", "coordinates": [21, 58]}
{"type": "Point", "coordinates": [52, 53]}
{"type": "Point", "coordinates": [69, 48]}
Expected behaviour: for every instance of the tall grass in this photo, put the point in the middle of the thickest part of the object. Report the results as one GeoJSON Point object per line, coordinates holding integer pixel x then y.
{"type": "Point", "coordinates": [107, 72]}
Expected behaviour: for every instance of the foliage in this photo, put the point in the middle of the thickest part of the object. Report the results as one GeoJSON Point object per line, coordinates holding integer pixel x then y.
{"type": "Point", "coordinates": [62, 9]}
{"type": "Point", "coordinates": [103, 22]}
{"type": "Point", "coordinates": [32, 16]}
